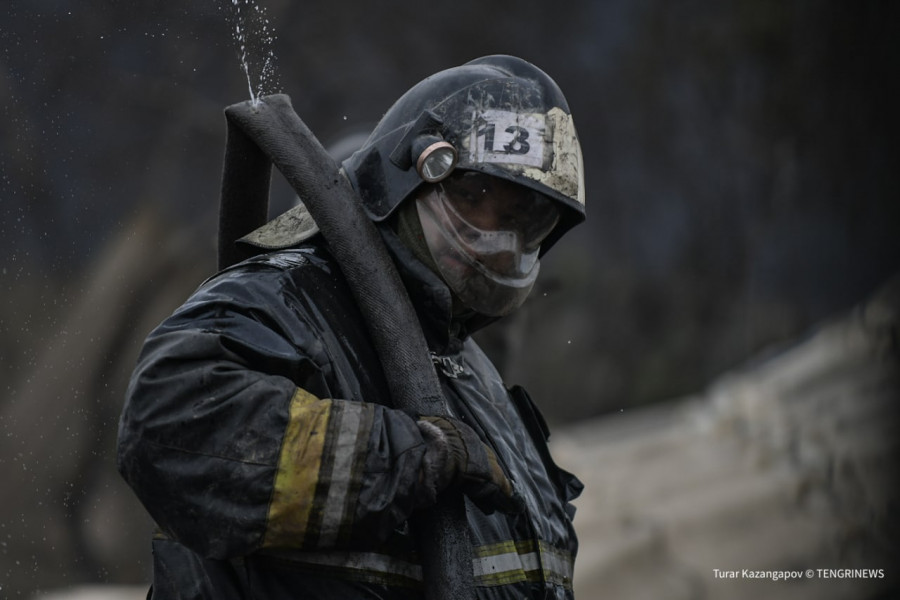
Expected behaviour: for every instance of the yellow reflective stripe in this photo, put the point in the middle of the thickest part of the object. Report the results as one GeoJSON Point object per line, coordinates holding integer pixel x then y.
{"type": "Point", "coordinates": [558, 565]}
{"type": "Point", "coordinates": [298, 471]}
{"type": "Point", "coordinates": [511, 562]}
{"type": "Point", "coordinates": [519, 547]}
{"type": "Point", "coordinates": [495, 564]}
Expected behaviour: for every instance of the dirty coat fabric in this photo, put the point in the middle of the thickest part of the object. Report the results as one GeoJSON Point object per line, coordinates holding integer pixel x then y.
{"type": "Point", "coordinates": [259, 435]}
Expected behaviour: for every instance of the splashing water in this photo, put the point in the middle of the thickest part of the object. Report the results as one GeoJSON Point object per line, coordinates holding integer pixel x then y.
{"type": "Point", "coordinates": [255, 37]}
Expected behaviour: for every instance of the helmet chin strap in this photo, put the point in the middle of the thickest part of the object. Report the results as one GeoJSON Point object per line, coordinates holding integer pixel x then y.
{"type": "Point", "coordinates": [409, 230]}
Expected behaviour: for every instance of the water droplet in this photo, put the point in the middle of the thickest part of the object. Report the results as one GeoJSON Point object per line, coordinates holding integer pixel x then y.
{"type": "Point", "coordinates": [253, 37]}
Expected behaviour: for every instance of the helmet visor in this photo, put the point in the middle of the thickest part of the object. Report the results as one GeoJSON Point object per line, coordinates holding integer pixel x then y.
{"type": "Point", "coordinates": [485, 238]}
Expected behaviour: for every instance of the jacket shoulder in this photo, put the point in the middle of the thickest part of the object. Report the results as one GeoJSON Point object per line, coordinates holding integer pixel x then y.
{"type": "Point", "coordinates": [284, 260]}
{"type": "Point", "coordinates": [279, 264]}
{"type": "Point", "coordinates": [260, 282]}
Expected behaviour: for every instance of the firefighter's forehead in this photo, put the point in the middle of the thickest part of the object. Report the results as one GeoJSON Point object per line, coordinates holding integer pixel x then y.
{"type": "Point", "coordinates": [472, 182]}
{"type": "Point", "coordinates": [488, 191]}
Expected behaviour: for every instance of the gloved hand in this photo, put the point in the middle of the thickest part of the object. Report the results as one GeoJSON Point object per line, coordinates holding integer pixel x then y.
{"type": "Point", "coordinates": [456, 457]}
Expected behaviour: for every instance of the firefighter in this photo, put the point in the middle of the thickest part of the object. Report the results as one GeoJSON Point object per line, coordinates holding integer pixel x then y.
{"type": "Point", "coordinates": [257, 429]}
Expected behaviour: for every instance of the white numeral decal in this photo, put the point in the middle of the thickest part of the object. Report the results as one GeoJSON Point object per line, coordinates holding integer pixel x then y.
{"type": "Point", "coordinates": [500, 136]}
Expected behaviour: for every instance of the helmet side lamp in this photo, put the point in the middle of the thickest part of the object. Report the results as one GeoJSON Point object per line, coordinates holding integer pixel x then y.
{"type": "Point", "coordinates": [423, 147]}
{"type": "Point", "coordinates": [436, 158]}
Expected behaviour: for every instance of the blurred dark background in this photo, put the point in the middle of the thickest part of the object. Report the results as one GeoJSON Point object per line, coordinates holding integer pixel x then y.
{"type": "Point", "coordinates": [741, 166]}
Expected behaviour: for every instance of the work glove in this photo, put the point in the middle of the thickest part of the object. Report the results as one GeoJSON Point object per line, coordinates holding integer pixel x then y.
{"type": "Point", "coordinates": [457, 458]}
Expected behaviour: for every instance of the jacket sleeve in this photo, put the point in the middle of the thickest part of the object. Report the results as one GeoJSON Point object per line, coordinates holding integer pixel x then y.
{"type": "Point", "coordinates": [229, 440]}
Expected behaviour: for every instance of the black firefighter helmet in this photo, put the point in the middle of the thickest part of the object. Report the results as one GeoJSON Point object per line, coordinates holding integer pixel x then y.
{"type": "Point", "coordinates": [497, 115]}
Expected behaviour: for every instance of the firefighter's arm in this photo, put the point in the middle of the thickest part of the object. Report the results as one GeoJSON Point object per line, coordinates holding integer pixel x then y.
{"type": "Point", "coordinates": [231, 443]}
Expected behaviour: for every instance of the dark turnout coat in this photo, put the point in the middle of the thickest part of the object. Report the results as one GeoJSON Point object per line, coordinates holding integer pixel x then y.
{"type": "Point", "coordinates": [259, 434]}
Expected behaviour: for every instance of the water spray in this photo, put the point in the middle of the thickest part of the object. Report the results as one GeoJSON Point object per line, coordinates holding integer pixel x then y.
{"type": "Point", "coordinates": [255, 37]}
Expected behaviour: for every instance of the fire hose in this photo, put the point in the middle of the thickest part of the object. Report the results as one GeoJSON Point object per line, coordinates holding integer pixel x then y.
{"type": "Point", "coordinates": [268, 132]}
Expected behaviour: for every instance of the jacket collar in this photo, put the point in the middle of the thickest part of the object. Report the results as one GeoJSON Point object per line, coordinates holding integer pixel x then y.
{"type": "Point", "coordinates": [431, 299]}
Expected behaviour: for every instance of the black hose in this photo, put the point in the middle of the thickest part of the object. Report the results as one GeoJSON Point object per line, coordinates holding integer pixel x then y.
{"type": "Point", "coordinates": [278, 132]}
{"type": "Point", "coordinates": [245, 194]}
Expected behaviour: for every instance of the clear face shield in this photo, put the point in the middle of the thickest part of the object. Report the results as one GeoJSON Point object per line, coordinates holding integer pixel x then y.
{"type": "Point", "coordinates": [484, 234]}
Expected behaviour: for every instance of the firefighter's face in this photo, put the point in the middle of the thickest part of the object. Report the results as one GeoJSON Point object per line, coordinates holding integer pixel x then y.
{"type": "Point", "coordinates": [484, 234]}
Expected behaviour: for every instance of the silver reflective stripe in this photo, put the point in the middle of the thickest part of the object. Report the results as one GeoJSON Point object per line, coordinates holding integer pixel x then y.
{"type": "Point", "coordinates": [339, 478]}
{"type": "Point", "coordinates": [506, 566]}
{"type": "Point", "coordinates": [558, 566]}
{"type": "Point", "coordinates": [504, 563]}
{"type": "Point", "coordinates": [502, 568]}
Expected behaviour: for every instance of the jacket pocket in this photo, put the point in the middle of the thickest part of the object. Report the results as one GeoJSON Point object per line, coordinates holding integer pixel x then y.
{"type": "Point", "coordinates": [569, 486]}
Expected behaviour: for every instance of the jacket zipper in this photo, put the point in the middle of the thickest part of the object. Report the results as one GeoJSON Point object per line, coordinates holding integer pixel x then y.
{"type": "Point", "coordinates": [469, 414]}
